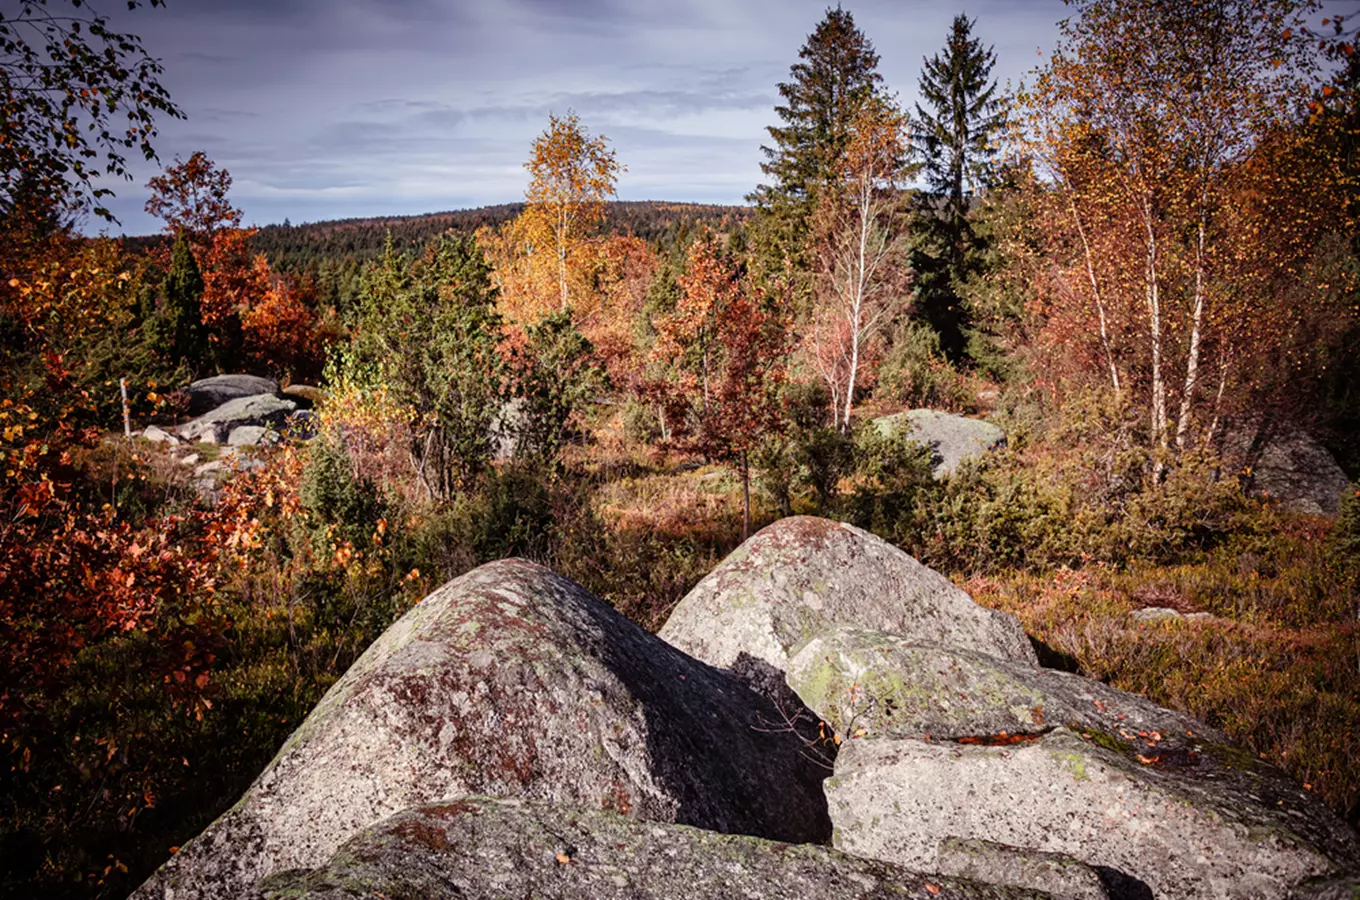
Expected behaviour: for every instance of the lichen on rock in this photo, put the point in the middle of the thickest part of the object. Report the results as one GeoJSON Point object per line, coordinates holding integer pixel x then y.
{"type": "Point", "coordinates": [802, 576]}
{"type": "Point", "coordinates": [512, 681]}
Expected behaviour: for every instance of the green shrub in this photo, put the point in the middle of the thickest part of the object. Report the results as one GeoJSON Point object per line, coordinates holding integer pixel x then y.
{"type": "Point", "coordinates": [640, 424]}
{"type": "Point", "coordinates": [915, 373]}
{"type": "Point", "coordinates": [344, 506]}
{"type": "Point", "coordinates": [891, 473]}
{"type": "Point", "coordinates": [511, 514]}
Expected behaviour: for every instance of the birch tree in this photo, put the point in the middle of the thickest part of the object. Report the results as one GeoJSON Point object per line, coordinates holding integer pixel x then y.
{"type": "Point", "coordinates": [1147, 119]}
{"type": "Point", "coordinates": [862, 272]}
{"type": "Point", "coordinates": [573, 174]}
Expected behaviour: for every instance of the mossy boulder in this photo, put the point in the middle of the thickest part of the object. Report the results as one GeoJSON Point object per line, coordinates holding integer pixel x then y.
{"type": "Point", "coordinates": [885, 686]}
{"type": "Point", "coordinates": [1159, 823]}
{"type": "Point", "coordinates": [479, 849]}
{"type": "Point", "coordinates": [802, 576]}
{"type": "Point", "coordinates": [512, 681]}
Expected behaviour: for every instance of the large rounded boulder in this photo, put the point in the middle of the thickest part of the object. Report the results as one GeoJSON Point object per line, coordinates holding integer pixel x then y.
{"type": "Point", "coordinates": [513, 681]}
{"type": "Point", "coordinates": [485, 849]}
{"type": "Point", "coordinates": [802, 576]}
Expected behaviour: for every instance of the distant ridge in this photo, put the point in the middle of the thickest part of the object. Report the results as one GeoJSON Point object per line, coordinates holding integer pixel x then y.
{"type": "Point", "coordinates": [346, 241]}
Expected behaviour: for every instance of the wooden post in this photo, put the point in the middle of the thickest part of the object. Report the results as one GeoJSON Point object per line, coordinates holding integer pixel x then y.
{"type": "Point", "coordinates": [127, 414]}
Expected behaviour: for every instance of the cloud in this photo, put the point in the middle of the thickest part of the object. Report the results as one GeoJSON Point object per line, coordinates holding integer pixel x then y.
{"type": "Point", "coordinates": [318, 106]}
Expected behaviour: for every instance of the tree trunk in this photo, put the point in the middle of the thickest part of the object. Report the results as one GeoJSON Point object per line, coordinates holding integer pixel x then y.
{"type": "Point", "coordinates": [1095, 293]}
{"type": "Point", "coordinates": [562, 253]}
{"type": "Point", "coordinates": [1192, 364]}
{"type": "Point", "coordinates": [745, 496]}
{"type": "Point", "coordinates": [1152, 288]}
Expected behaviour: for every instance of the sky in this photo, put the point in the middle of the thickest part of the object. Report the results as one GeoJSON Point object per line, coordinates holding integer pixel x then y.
{"type": "Point", "coordinates": [324, 109]}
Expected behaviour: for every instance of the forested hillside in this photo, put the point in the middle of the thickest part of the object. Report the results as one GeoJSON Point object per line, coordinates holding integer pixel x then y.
{"type": "Point", "coordinates": [1138, 281]}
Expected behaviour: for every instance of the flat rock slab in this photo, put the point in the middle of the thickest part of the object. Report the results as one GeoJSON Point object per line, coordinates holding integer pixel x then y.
{"type": "Point", "coordinates": [307, 394]}
{"type": "Point", "coordinates": [802, 576]}
{"type": "Point", "coordinates": [884, 686]}
{"type": "Point", "coordinates": [1345, 887]}
{"type": "Point", "coordinates": [993, 863]}
{"type": "Point", "coordinates": [247, 435]}
{"type": "Point", "coordinates": [951, 438]}
{"type": "Point", "coordinates": [479, 849]}
{"type": "Point", "coordinates": [210, 393]}
{"type": "Point", "coordinates": [516, 682]}
{"type": "Point", "coordinates": [260, 410]}
{"type": "Point", "coordinates": [1177, 826]}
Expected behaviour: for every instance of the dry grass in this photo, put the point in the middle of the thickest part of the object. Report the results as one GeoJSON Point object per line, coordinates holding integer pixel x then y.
{"type": "Point", "coordinates": [1283, 682]}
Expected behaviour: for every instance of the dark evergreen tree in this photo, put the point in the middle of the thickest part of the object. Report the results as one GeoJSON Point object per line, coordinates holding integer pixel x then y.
{"type": "Point", "coordinates": [428, 326]}
{"type": "Point", "coordinates": [183, 312]}
{"type": "Point", "coordinates": [954, 131]}
{"type": "Point", "coordinates": [837, 71]}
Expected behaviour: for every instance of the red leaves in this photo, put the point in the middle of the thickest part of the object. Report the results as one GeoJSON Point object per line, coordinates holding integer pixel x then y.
{"type": "Point", "coordinates": [1001, 739]}
{"type": "Point", "coordinates": [192, 197]}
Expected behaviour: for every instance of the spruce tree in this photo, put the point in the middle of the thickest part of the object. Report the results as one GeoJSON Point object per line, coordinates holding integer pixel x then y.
{"type": "Point", "coordinates": [837, 71]}
{"type": "Point", "coordinates": [954, 133]}
{"type": "Point", "coordinates": [183, 292]}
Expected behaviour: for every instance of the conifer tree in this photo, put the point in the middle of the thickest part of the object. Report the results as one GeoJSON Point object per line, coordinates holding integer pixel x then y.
{"type": "Point", "coordinates": [837, 72]}
{"type": "Point", "coordinates": [954, 138]}
{"type": "Point", "coordinates": [183, 291]}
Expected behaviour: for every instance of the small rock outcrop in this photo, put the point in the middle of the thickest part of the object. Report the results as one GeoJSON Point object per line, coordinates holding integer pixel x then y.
{"type": "Point", "coordinates": [215, 426]}
{"type": "Point", "coordinates": [802, 576]}
{"type": "Point", "coordinates": [1288, 465]}
{"type": "Point", "coordinates": [209, 393]}
{"type": "Point", "coordinates": [480, 849]}
{"type": "Point", "coordinates": [512, 681]}
{"type": "Point", "coordinates": [951, 438]}
{"type": "Point", "coordinates": [246, 435]}
{"type": "Point", "coordinates": [308, 395]}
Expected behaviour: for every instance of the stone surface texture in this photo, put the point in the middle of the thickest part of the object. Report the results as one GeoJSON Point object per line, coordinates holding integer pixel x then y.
{"type": "Point", "coordinates": [952, 438]}
{"type": "Point", "coordinates": [209, 393]}
{"type": "Point", "coordinates": [804, 575]}
{"type": "Point", "coordinates": [1161, 823]}
{"type": "Point", "coordinates": [247, 435]}
{"type": "Point", "coordinates": [261, 410]}
{"type": "Point", "coordinates": [993, 863]}
{"type": "Point", "coordinates": [512, 681]}
{"type": "Point", "coordinates": [479, 849]}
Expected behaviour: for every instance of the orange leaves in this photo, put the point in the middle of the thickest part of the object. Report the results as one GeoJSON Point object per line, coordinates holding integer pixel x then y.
{"type": "Point", "coordinates": [192, 197]}
{"type": "Point", "coordinates": [571, 175]}
{"type": "Point", "coordinates": [277, 329]}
